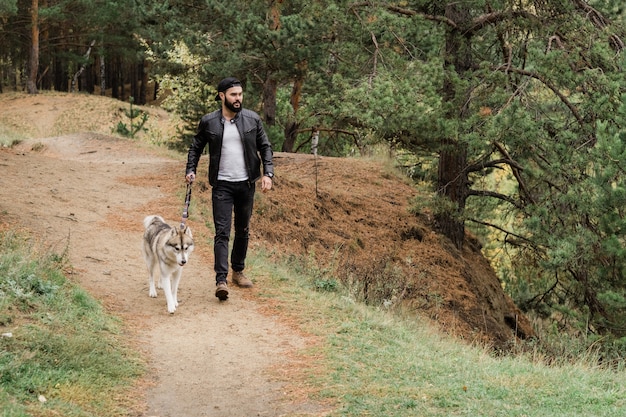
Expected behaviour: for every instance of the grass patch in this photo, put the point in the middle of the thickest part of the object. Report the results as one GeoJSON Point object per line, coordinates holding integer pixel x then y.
{"type": "Point", "coordinates": [60, 353]}
{"type": "Point", "coordinates": [372, 362]}
{"type": "Point", "coordinates": [8, 138]}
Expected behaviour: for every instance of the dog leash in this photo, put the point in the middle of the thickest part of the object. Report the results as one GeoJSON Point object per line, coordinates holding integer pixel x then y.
{"type": "Point", "coordinates": [186, 209]}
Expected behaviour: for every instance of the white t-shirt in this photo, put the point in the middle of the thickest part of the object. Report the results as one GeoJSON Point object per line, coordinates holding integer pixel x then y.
{"type": "Point", "coordinates": [232, 163]}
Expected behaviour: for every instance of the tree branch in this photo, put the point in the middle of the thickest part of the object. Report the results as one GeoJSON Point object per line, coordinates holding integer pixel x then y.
{"type": "Point", "coordinates": [507, 232]}
{"type": "Point", "coordinates": [434, 18]}
{"type": "Point", "coordinates": [541, 297]}
{"type": "Point", "coordinates": [600, 22]}
{"type": "Point", "coordinates": [493, 163]}
{"type": "Point", "coordinates": [495, 17]}
{"type": "Point", "coordinates": [515, 169]}
{"type": "Point", "coordinates": [545, 82]}
{"type": "Point", "coordinates": [374, 55]}
{"type": "Point", "coordinates": [493, 194]}
{"type": "Point", "coordinates": [408, 12]}
{"type": "Point", "coordinates": [326, 129]}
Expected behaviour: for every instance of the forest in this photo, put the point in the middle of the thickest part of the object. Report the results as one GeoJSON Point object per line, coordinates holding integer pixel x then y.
{"type": "Point", "coordinates": [511, 112]}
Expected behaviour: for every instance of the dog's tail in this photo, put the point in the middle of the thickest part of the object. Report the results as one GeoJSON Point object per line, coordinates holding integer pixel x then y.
{"type": "Point", "coordinates": [150, 219]}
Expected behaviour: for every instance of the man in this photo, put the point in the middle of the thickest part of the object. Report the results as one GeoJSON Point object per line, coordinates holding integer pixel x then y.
{"type": "Point", "coordinates": [238, 146]}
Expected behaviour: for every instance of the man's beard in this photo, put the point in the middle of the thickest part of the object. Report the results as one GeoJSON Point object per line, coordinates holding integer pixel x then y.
{"type": "Point", "coordinates": [230, 106]}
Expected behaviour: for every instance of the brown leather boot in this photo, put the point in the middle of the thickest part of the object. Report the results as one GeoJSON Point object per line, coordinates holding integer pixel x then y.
{"type": "Point", "coordinates": [241, 280]}
{"type": "Point", "coordinates": [221, 291]}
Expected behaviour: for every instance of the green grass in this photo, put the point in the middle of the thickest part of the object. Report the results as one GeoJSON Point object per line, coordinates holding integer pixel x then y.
{"type": "Point", "coordinates": [375, 363]}
{"type": "Point", "coordinates": [62, 346]}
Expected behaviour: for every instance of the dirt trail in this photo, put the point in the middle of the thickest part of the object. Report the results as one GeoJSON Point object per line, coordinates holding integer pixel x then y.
{"type": "Point", "coordinates": [90, 193]}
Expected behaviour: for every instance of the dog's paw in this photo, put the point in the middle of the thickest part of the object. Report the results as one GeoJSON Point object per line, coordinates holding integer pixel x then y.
{"type": "Point", "coordinates": [171, 309]}
{"type": "Point", "coordinates": [153, 293]}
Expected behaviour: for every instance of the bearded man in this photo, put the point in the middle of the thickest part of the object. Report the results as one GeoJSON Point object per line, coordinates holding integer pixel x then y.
{"type": "Point", "coordinates": [238, 149]}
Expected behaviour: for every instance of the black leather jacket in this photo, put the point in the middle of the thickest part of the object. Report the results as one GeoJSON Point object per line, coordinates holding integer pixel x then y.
{"type": "Point", "coordinates": [256, 145]}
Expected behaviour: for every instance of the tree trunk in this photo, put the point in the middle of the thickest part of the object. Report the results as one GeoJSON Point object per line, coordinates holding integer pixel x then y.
{"type": "Point", "coordinates": [298, 83]}
{"type": "Point", "coordinates": [269, 101]}
{"type": "Point", "coordinates": [452, 177]}
{"type": "Point", "coordinates": [103, 83]}
{"type": "Point", "coordinates": [31, 85]}
{"type": "Point", "coordinates": [121, 67]}
{"type": "Point", "coordinates": [452, 183]}
{"type": "Point", "coordinates": [143, 89]}
{"type": "Point", "coordinates": [134, 85]}
{"type": "Point", "coordinates": [270, 85]}
{"type": "Point", "coordinates": [113, 71]}
{"type": "Point", "coordinates": [89, 79]}
{"type": "Point", "coordinates": [45, 79]}
{"type": "Point", "coordinates": [82, 67]}
{"type": "Point", "coordinates": [291, 132]}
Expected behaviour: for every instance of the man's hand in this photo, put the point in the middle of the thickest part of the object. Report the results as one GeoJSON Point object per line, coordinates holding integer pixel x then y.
{"type": "Point", "coordinates": [191, 177]}
{"type": "Point", "coordinates": [266, 183]}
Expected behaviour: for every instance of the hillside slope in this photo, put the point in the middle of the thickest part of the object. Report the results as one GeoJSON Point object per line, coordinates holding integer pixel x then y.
{"type": "Point", "coordinates": [352, 215]}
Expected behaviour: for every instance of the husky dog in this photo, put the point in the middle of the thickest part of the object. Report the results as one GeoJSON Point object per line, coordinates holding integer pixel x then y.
{"type": "Point", "coordinates": [166, 250]}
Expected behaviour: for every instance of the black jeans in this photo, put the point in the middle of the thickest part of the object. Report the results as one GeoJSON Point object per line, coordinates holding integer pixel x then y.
{"type": "Point", "coordinates": [229, 198]}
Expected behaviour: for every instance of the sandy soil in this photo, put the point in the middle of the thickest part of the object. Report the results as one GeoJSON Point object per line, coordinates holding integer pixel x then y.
{"type": "Point", "coordinates": [89, 193]}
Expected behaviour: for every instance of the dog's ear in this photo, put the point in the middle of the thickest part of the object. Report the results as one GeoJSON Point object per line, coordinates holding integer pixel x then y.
{"type": "Point", "coordinates": [187, 231]}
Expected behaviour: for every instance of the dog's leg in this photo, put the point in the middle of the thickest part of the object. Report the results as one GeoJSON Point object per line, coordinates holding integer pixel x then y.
{"type": "Point", "coordinates": [167, 290]}
{"type": "Point", "coordinates": [175, 282]}
{"type": "Point", "coordinates": [153, 292]}
{"type": "Point", "coordinates": [152, 270]}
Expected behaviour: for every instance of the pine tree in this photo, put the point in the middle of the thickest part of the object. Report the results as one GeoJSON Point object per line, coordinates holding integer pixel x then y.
{"type": "Point", "coordinates": [525, 88]}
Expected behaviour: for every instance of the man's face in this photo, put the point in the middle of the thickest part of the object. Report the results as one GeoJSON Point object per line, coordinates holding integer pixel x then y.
{"type": "Point", "coordinates": [233, 98]}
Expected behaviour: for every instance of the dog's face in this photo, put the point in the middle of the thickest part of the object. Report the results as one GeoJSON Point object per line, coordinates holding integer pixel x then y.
{"type": "Point", "coordinates": [180, 245]}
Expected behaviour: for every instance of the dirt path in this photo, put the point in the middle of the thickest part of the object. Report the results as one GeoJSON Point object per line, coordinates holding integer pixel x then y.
{"type": "Point", "coordinates": [89, 193]}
